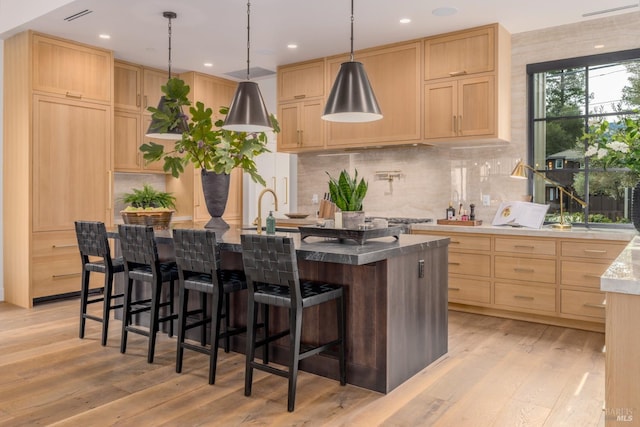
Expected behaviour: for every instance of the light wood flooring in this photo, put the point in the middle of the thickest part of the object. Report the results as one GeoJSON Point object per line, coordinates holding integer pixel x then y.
{"type": "Point", "coordinates": [498, 372]}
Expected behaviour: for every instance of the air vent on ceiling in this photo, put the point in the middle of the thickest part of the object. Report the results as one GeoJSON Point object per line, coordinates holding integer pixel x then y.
{"type": "Point", "coordinates": [78, 15]}
{"type": "Point", "coordinates": [613, 9]}
{"type": "Point", "coordinates": [254, 73]}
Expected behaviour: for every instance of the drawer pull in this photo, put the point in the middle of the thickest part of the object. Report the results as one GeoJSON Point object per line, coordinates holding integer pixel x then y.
{"type": "Point", "coordinates": [523, 247]}
{"type": "Point", "coordinates": [65, 276]}
{"type": "Point", "coordinates": [524, 270]}
{"type": "Point", "coordinates": [63, 246]}
{"type": "Point", "coordinates": [454, 263]}
{"type": "Point", "coordinates": [595, 251]}
{"type": "Point", "coordinates": [527, 297]}
{"type": "Point", "coordinates": [457, 242]}
{"type": "Point", "coordinates": [299, 96]}
{"type": "Point", "coordinates": [454, 289]}
{"type": "Point", "coordinates": [73, 95]}
{"type": "Point", "coordinates": [457, 73]}
{"type": "Point", "coordinates": [590, 305]}
{"type": "Point", "coordinates": [591, 276]}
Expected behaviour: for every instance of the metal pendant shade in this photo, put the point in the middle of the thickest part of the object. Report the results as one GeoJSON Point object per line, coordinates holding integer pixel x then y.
{"type": "Point", "coordinates": [247, 112]}
{"type": "Point", "coordinates": [157, 129]}
{"type": "Point", "coordinates": [351, 98]}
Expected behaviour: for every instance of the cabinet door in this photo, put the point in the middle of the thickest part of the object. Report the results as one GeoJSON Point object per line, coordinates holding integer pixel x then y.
{"type": "Point", "coordinates": [463, 53]}
{"type": "Point", "coordinates": [301, 81]}
{"type": "Point", "coordinates": [394, 74]}
{"type": "Point", "coordinates": [71, 163]}
{"type": "Point", "coordinates": [127, 129]}
{"type": "Point", "coordinates": [440, 110]}
{"type": "Point", "coordinates": [127, 86]}
{"type": "Point", "coordinates": [476, 106]}
{"type": "Point", "coordinates": [152, 82]}
{"type": "Point", "coordinates": [71, 69]}
{"type": "Point", "coordinates": [289, 136]}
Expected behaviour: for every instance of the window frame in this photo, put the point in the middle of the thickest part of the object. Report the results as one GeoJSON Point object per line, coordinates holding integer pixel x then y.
{"type": "Point", "coordinates": [581, 61]}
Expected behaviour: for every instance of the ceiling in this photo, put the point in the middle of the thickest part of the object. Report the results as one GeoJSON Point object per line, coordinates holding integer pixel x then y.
{"type": "Point", "coordinates": [215, 31]}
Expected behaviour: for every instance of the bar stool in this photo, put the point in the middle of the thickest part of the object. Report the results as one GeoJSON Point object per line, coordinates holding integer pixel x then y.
{"type": "Point", "coordinates": [198, 259]}
{"type": "Point", "coordinates": [142, 263]}
{"type": "Point", "coordinates": [271, 268]}
{"type": "Point", "coordinates": [93, 242]}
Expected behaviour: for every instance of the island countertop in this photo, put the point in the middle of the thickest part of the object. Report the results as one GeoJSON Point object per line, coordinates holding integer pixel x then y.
{"type": "Point", "coordinates": [324, 249]}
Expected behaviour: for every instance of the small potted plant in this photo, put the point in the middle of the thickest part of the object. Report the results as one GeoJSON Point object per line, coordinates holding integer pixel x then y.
{"type": "Point", "coordinates": [148, 206]}
{"type": "Point", "coordinates": [348, 193]}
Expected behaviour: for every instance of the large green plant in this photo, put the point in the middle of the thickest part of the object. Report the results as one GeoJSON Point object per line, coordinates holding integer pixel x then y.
{"type": "Point", "coordinates": [206, 144]}
{"type": "Point", "coordinates": [346, 192]}
{"type": "Point", "coordinates": [148, 198]}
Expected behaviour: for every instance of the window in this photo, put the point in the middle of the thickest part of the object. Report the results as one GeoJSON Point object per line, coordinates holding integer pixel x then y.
{"type": "Point", "coordinates": [565, 98]}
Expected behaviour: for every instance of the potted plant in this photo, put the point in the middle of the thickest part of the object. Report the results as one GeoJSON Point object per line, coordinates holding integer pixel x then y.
{"type": "Point", "coordinates": [209, 147]}
{"type": "Point", "coordinates": [148, 206]}
{"type": "Point", "coordinates": [348, 194]}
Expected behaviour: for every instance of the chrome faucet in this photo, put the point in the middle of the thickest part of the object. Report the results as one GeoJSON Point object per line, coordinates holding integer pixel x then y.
{"type": "Point", "coordinates": [258, 220]}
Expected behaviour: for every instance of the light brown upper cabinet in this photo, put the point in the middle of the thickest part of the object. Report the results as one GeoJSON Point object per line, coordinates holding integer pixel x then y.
{"type": "Point", "coordinates": [70, 69]}
{"type": "Point", "coordinates": [394, 74]}
{"type": "Point", "coordinates": [467, 87]}
{"type": "Point", "coordinates": [459, 54]}
{"type": "Point", "coordinates": [127, 89]}
{"type": "Point", "coordinates": [301, 89]}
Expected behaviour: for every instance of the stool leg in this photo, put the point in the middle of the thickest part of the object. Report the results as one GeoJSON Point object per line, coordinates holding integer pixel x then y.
{"type": "Point", "coordinates": [340, 306]}
{"type": "Point", "coordinates": [182, 326]}
{"type": "Point", "coordinates": [295, 323]}
{"type": "Point", "coordinates": [84, 296]}
{"type": "Point", "coordinates": [172, 311]}
{"type": "Point", "coordinates": [153, 320]}
{"type": "Point", "coordinates": [227, 323]}
{"type": "Point", "coordinates": [265, 321]}
{"type": "Point", "coordinates": [216, 318]}
{"type": "Point", "coordinates": [106, 305]}
{"type": "Point", "coordinates": [252, 311]}
{"type": "Point", "coordinates": [126, 315]}
{"type": "Point", "coordinates": [203, 309]}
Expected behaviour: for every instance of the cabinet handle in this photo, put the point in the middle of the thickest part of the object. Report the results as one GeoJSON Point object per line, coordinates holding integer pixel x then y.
{"type": "Point", "coordinates": [591, 276]}
{"type": "Point", "coordinates": [459, 125]}
{"type": "Point", "coordinates": [137, 100]}
{"type": "Point", "coordinates": [595, 251]}
{"type": "Point", "coordinates": [454, 263]}
{"type": "Point", "coordinates": [64, 276]}
{"type": "Point", "coordinates": [299, 96]}
{"type": "Point", "coordinates": [523, 270]}
{"type": "Point", "coordinates": [455, 125]}
{"type": "Point", "coordinates": [454, 289]}
{"type": "Point", "coordinates": [110, 190]}
{"type": "Point", "coordinates": [590, 305]}
{"type": "Point", "coordinates": [273, 179]}
{"type": "Point", "coordinates": [73, 95]}
{"type": "Point", "coordinates": [527, 297]}
{"type": "Point", "coordinates": [286, 190]}
{"type": "Point", "coordinates": [457, 73]}
{"type": "Point", "coordinates": [457, 242]}
{"type": "Point", "coordinates": [523, 247]}
{"type": "Point", "coordinates": [63, 246]}
{"type": "Point", "coordinates": [145, 101]}
{"type": "Point", "coordinates": [301, 137]}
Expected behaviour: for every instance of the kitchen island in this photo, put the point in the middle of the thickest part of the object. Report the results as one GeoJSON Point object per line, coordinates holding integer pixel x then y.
{"type": "Point", "coordinates": [396, 303]}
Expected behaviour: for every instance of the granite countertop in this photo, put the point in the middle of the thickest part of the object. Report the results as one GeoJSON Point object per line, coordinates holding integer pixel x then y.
{"type": "Point", "coordinates": [324, 249]}
{"type": "Point", "coordinates": [545, 231]}
{"type": "Point", "coordinates": [623, 275]}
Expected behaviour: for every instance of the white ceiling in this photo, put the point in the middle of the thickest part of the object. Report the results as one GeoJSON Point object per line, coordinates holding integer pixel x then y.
{"type": "Point", "coordinates": [215, 30]}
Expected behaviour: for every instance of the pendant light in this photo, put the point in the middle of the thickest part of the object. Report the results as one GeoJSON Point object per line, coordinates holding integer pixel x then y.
{"type": "Point", "coordinates": [351, 98]}
{"type": "Point", "coordinates": [156, 128]}
{"type": "Point", "coordinates": [247, 112]}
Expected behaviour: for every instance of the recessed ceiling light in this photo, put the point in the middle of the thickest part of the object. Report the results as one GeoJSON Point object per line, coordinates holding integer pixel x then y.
{"type": "Point", "coordinates": [405, 20]}
{"type": "Point", "coordinates": [292, 46]}
{"type": "Point", "coordinates": [444, 11]}
{"type": "Point", "coordinates": [105, 36]}
{"type": "Point", "coordinates": [208, 64]}
{"type": "Point", "coordinates": [598, 46]}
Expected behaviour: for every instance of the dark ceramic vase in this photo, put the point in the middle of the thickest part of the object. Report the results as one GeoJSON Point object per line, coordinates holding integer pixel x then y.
{"type": "Point", "coordinates": [215, 187]}
{"type": "Point", "coordinates": [635, 207]}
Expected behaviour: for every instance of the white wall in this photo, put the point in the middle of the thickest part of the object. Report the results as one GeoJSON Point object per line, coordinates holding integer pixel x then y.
{"type": "Point", "coordinates": [1, 162]}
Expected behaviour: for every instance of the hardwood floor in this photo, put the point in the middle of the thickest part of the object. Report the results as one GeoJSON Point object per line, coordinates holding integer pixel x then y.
{"type": "Point", "coordinates": [498, 372]}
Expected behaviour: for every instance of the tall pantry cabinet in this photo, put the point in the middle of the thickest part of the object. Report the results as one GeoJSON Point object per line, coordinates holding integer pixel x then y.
{"type": "Point", "coordinates": [57, 160]}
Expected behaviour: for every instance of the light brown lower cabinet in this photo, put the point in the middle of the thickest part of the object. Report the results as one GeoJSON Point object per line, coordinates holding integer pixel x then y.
{"type": "Point", "coordinates": [554, 280]}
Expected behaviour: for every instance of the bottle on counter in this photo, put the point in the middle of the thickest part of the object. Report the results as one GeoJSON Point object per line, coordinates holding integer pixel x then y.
{"type": "Point", "coordinates": [472, 214]}
{"type": "Point", "coordinates": [271, 224]}
{"type": "Point", "coordinates": [451, 212]}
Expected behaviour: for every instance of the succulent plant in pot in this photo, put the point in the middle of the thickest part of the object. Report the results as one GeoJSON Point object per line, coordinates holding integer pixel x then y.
{"type": "Point", "coordinates": [148, 206]}
{"type": "Point", "coordinates": [348, 194]}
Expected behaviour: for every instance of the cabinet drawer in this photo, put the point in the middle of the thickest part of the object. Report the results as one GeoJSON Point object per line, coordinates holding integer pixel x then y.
{"type": "Point", "coordinates": [58, 275]}
{"type": "Point", "coordinates": [599, 250]}
{"type": "Point", "coordinates": [583, 303]}
{"type": "Point", "coordinates": [526, 246]}
{"type": "Point", "coordinates": [528, 297]}
{"type": "Point", "coordinates": [53, 243]}
{"type": "Point", "coordinates": [581, 273]}
{"type": "Point", "coordinates": [528, 269]}
{"type": "Point", "coordinates": [470, 264]}
{"type": "Point", "coordinates": [469, 290]}
{"type": "Point", "coordinates": [466, 242]}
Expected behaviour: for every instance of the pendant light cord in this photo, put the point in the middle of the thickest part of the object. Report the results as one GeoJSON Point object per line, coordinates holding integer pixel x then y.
{"type": "Point", "coordinates": [352, 30]}
{"type": "Point", "coordinates": [169, 48]}
{"type": "Point", "coordinates": [248, 35]}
